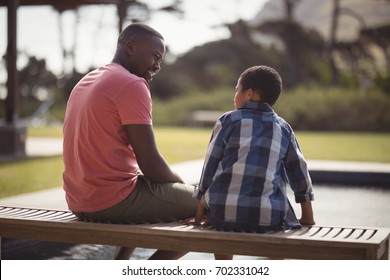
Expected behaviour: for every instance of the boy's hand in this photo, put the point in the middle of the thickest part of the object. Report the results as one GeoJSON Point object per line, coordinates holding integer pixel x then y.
{"type": "Point", "coordinates": [192, 222]}
{"type": "Point", "coordinates": [200, 217]}
{"type": "Point", "coordinates": [306, 222]}
{"type": "Point", "coordinates": [307, 218]}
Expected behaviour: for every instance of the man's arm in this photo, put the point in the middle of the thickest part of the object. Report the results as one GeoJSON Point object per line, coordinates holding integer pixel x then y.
{"type": "Point", "coordinates": [150, 161]}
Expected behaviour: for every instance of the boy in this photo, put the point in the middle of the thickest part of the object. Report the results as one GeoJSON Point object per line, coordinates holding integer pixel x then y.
{"type": "Point", "coordinates": [251, 154]}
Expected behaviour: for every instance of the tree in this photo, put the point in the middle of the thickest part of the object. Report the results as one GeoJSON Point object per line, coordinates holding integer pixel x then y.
{"type": "Point", "coordinates": [380, 36]}
{"type": "Point", "coordinates": [214, 64]}
{"type": "Point", "coordinates": [302, 48]}
{"type": "Point", "coordinates": [34, 76]}
{"type": "Point", "coordinates": [129, 11]}
{"type": "Point", "coordinates": [332, 42]}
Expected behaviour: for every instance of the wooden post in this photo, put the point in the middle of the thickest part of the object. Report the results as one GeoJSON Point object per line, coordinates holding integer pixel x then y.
{"type": "Point", "coordinates": [12, 100]}
{"type": "Point", "coordinates": [121, 11]}
{"type": "Point", "coordinates": [12, 132]}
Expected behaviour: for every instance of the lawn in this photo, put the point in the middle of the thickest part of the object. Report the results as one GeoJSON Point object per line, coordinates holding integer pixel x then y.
{"type": "Point", "coordinates": [181, 144]}
{"type": "Point", "coordinates": [369, 147]}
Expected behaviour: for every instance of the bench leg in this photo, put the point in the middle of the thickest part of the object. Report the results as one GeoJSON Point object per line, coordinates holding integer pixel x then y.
{"type": "Point", "coordinates": [167, 255]}
{"type": "Point", "coordinates": [385, 255]}
{"type": "Point", "coordinates": [223, 257]}
{"type": "Point", "coordinates": [123, 253]}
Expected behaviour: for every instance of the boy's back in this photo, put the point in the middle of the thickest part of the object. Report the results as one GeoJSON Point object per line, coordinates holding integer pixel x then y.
{"type": "Point", "coordinates": [245, 167]}
{"type": "Point", "coordinates": [251, 155]}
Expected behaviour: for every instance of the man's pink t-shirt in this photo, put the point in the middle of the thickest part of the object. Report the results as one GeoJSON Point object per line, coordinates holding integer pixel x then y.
{"type": "Point", "coordinates": [100, 167]}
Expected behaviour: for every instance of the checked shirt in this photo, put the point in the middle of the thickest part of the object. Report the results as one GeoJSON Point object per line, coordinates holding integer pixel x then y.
{"type": "Point", "coordinates": [252, 156]}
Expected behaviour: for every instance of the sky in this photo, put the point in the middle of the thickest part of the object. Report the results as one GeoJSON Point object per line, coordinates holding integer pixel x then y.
{"type": "Point", "coordinates": [97, 31]}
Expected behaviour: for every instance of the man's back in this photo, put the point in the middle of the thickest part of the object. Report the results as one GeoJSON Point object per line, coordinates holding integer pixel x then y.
{"type": "Point", "coordinates": [100, 167]}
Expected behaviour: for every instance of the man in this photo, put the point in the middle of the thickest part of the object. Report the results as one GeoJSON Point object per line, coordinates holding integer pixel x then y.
{"type": "Point", "coordinates": [113, 171]}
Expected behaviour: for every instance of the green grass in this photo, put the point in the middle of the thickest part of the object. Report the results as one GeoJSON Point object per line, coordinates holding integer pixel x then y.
{"type": "Point", "coordinates": [48, 131]}
{"type": "Point", "coordinates": [30, 175]}
{"type": "Point", "coordinates": [182, 144]}
{"type": "Point", "coordinates": [370, 147]}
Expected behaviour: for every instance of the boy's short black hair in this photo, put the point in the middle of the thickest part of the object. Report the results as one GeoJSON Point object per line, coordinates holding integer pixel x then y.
{"type": "Point", "coordinates": [263, 80]}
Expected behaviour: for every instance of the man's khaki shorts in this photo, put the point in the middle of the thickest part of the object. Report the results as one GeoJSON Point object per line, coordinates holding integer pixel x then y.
{"type": "Point", "coordinates": [150, 202]}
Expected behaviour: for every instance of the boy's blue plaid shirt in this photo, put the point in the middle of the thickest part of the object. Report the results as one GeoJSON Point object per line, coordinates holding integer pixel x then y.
{"type": "Point", "coordinates": [250, 153]}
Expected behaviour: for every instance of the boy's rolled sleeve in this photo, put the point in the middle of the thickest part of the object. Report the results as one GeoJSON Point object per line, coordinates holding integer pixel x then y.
{"type": "Point", "coordinates": [305, 197]}
{"type": "Point", "coordinates": [298, 173]}
{"type": "Point", "coordinates": [213, 157]}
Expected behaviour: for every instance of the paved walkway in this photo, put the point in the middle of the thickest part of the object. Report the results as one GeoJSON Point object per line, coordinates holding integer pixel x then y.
{"type": "Point", "coordinates": [339, 204]}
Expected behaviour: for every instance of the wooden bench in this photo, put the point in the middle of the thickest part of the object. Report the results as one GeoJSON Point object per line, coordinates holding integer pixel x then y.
{"type": "Point", "coordinates": [205, 118]}
{"type": "Point", "coordinates": [316, 242]}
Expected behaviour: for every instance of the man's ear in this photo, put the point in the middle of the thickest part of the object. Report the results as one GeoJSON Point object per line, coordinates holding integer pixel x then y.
{"type": "Point", "coordinates": [130, 47]}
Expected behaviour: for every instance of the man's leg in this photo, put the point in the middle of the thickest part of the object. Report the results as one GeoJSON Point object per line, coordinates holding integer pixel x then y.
{"type": "Point", "coordinates": [171, 201]}
{"type": "Point", "coordinates": [153, 202]}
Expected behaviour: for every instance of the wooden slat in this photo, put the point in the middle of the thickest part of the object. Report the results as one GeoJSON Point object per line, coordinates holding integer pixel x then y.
{"type": "Point", "coordinates": [316, 242]}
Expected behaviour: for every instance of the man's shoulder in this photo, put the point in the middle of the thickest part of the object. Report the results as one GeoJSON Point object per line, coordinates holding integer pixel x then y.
{"type": "Point", "coordinates": [118, 71]}
{"type": "Point", "coordinates": [120, 78]}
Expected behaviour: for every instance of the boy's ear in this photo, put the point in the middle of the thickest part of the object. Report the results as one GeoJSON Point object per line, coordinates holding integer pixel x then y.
{"type": "Point", "coordinates": [253, 95]}
{"type": "Point", "coordinates": [249, 93]}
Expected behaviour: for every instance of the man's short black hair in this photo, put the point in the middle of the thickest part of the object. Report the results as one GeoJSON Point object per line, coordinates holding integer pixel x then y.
{"type": "Point", "coordinates": [137, 29]}
{"type": "Point", "coordinates": [264, 80]}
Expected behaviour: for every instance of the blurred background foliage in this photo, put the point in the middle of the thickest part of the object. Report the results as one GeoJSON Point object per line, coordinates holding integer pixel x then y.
{"type": "Point", "coordinates": [329, 83]}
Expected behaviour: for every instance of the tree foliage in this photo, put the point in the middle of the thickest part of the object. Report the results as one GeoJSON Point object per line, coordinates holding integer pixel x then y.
{"type": "Point", "coordinates": [303, 58]}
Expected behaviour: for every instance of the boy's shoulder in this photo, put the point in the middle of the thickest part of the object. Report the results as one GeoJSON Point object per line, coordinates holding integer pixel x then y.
{"type": "Point", "coordinates": [240, 114]}
{"type": "Point", "coordinates": [282, 122]}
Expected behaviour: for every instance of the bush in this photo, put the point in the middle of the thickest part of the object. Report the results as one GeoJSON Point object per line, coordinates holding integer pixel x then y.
{"type": "Point", "coordinates": [304, 108]}
{"type": "Point", "coordinates": [315, 109]}
{"type": "Point", "coordinates": [336, 110]}
{"type": "Point", "coordinates": [178, 111]}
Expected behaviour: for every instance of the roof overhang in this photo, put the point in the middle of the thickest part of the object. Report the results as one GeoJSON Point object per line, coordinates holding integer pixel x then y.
{"type": "Point", "coordinates": [61, 5]}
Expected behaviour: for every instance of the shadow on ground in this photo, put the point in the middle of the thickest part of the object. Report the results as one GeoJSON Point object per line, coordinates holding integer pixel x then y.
{"type": "Point", "coordinates": [17, 249]}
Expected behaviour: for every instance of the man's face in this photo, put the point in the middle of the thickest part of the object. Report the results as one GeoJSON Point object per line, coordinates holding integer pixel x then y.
{"type": "Point", "coordinates": [147, 55]}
